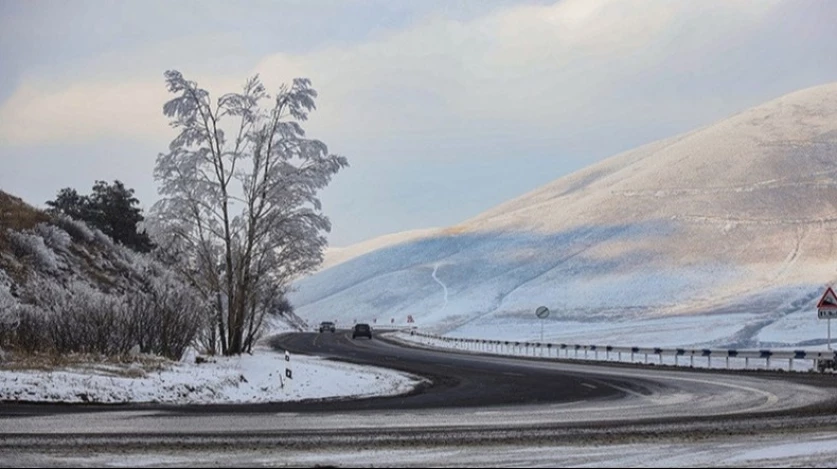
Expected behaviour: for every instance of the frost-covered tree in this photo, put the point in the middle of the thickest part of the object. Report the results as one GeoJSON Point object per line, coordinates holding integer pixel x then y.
{"type": "Point", "coordinates": [242, 213]}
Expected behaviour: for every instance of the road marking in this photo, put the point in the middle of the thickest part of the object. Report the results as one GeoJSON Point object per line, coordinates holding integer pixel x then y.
{"type": "Point", "coordinates": [627, 391]}
{"type": "Point", "coordinates": [587, 385]}
{"type": "Point", "coordinates": [513, 374]}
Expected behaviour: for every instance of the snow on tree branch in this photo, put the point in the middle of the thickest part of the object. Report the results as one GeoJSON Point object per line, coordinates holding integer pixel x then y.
{"type": "Point", "coordinates": [243, 215]}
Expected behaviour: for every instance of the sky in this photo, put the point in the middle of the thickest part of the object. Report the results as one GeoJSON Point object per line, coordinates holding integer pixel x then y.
{"type": "Point", "coordinates": [443, 108]}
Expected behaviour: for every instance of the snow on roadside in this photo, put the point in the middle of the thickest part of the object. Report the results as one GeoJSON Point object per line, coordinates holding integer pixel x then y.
{"type": "Point", "coordinates": [256, 378]}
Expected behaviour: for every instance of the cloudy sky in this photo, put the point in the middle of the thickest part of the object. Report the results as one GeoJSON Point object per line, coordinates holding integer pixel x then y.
{"type": "Point", "coordinates": [444, 108]}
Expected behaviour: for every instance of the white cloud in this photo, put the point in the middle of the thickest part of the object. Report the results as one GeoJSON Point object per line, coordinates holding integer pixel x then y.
{"type": "Point", "coordinates": [81, 112]}
{"type": "Point", "coordinates": [519, 67]}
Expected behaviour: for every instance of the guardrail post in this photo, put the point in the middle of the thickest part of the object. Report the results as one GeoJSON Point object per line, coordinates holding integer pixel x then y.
{"type": "Point", "coordinates": [620, 356]}
{"type": "Point", "coordinates": [676, 360]}
{"type": "Point", "coordinates": [746, 363]}
{"type": "Point", "coordinates": [728, 362]}
{"type": "Point", "coordinates": [646, 358]}
{"type": "Point", "coordinates": [692, 359]}
{"type": "Point", "coordinates": [790, 364]}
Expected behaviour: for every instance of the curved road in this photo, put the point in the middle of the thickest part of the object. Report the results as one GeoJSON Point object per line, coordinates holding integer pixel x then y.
{"type": "Point", "coordinates": [584, 391]}
{"type": "Point", "coordinates": [468, 402]}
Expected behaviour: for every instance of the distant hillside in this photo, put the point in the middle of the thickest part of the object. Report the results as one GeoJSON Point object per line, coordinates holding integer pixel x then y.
{"type": "Point", "coordinates": [37, 247]}
{"type": "Point", "coordinates": [736, 217]}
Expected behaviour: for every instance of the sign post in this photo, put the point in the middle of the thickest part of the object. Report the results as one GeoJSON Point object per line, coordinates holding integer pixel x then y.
{"type": "Point", "coordinates": [542, 313]}
{"type": "Point", "coordinates": [827, 309]}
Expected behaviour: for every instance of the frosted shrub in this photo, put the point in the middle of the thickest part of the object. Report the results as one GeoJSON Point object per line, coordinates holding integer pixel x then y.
{"type": "Point", "coordinates": [54, 237]}
{"type": "Point", "coordinates": [168, 317]}
{"type": "Point", "coordinates": [8, 305]}
{"type": "Point", "coordinates": [102, 239]}
{"type": "Point", "coordinates": [9, 314]}
{"type": "Point", "coordinates": [163, 320]}
{"type": "Point", "coordinates": [30, 334]}
{"type": "Point", "coordinates": [78, 231]}
{"type": "Point", "coordinates": [87, 320]}
{"type": "Point", "coordinates": [33, 246]}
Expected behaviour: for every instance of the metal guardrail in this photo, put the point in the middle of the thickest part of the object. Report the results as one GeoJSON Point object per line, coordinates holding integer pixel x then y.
{"type": "Point", "coordinates": [821, 360]}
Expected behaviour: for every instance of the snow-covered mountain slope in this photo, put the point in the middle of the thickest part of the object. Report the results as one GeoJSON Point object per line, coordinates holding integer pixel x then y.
{"type": "Point", "coordinates": [738, 217]}
{"type": "Point", "coordinates": [337, 255]}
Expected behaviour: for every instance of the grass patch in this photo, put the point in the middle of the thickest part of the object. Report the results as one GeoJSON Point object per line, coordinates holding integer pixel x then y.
{"type": "Point", "coordinates": [18, 215]}
{"type": "Point", "coordinates": [124, 366]}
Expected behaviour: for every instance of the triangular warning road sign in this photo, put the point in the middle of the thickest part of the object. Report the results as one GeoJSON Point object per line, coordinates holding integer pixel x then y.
{"type": "Point", "coordinates": [828, 300]}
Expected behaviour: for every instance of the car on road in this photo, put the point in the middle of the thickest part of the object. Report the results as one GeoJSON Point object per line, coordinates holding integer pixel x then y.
{"type": "Point", "coordinates": [327, 326]}
{"type": "Point", "coordinates": [362, 330]}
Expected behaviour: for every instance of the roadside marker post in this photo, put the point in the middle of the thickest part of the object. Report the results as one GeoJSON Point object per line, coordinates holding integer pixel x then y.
{"type": "Point", "coordinates": [288, 372]}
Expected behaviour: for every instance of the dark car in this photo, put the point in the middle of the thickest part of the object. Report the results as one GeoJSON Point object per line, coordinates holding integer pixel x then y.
{"type": "Point", "coordinates": [362, 330]}
{"type": "Point", "coordinates": [327, 326]}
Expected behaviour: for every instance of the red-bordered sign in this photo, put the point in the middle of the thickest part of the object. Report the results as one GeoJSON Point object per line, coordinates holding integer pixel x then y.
{"type": "Point", "coordinates": [828, 300]}
{"type": "Point", "coordinates": [827, 307]}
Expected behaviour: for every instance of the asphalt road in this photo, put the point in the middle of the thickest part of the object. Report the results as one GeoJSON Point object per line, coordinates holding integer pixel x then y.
{"type": "Point", "coordinates": [470, 402]}
{"type": "Point", "coordinates": [456, 380]}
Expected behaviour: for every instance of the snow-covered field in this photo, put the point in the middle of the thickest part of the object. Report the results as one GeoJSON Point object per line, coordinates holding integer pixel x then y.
{"type": "Point", "coordinates": [255, 378]}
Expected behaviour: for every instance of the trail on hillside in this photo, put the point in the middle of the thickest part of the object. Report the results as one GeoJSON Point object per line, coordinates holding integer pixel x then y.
{"type": "Point", "coordinates": [444, 287]}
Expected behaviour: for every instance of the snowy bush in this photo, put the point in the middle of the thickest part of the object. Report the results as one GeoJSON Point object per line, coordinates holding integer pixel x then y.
{"type": "Point", "coordinates": [167, 319]}
{"type": "Point", "coordinates": [30, 333]}
{"type": "Point", "coordinates": [33, 246]}
{"type": "Point", "coordinates": [78, 230]}
{"type": "Point", "coordinates": [9, 314]}
{"type": "Point", "coordinates": [102, 239]}
{"type": "Point", "coordinates": [54, 237]}
{"type": "Point", "coordinates": [163, 319]}
{"type": "Point", "coordinates": [8, 304]}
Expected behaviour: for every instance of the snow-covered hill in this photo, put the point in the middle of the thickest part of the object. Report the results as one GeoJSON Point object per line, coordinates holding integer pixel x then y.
{"type": "Point", "coordinates": [737, 218]}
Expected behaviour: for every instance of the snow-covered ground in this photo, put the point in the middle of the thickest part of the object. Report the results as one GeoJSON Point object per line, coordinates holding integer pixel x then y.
{"type": "Point", "coordinates": [255, 378]}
